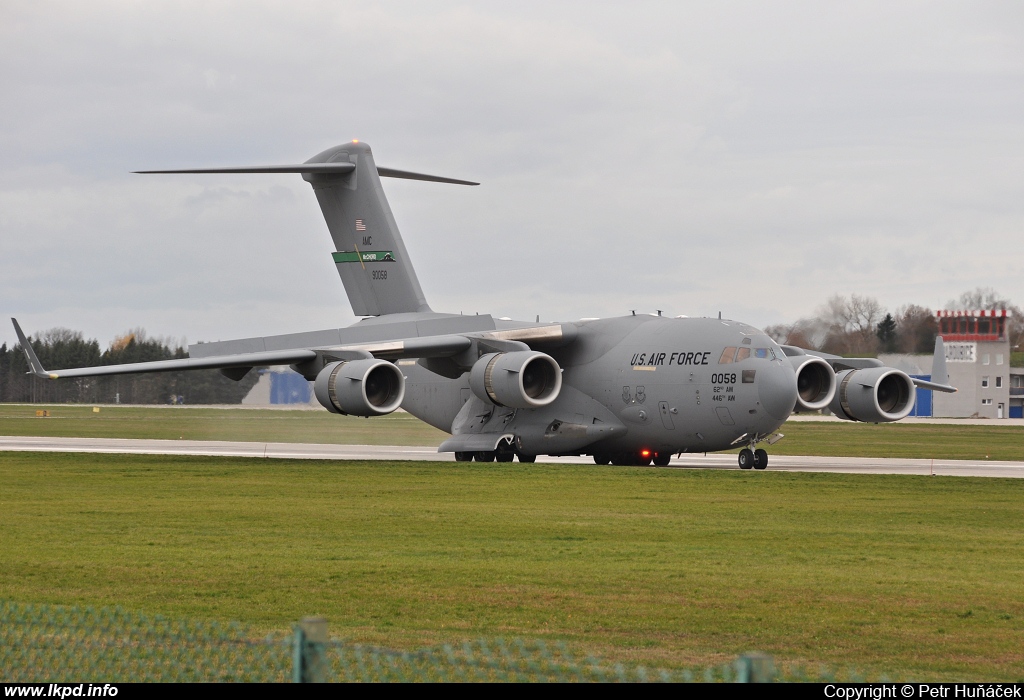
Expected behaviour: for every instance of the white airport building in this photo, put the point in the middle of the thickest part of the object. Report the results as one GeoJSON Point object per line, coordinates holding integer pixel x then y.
{"type": "Point", "coordinates": [978, 361]}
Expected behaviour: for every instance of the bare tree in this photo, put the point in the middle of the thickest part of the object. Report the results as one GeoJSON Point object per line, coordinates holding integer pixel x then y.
{"type": "Point", "coordinates": [865, 313]}
{"type": "Point", "coordinates": [806, 333]}
{"type": "Point", "coordinates": [850, 324]}
{"type": "Point", "coordinates": [980, 298]}
{"type": "Point", "coordinates": [916, 329]}
{"type": "Point", "coordinates": [846, 326]}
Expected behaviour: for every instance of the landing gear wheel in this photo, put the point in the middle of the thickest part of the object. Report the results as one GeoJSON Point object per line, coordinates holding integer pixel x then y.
{"type": "Point", "coordinates": [503, 456]}
{"type": "Point", "coordinates": [463, 456]}
{"type": "Point", "coordinates": [662, 460]}
{"type": "Point", "coordinates": [483, 456]}
{"type": "Point", "coordinates": [527, 458]}
{"type": "Point", "coordinates": [640, 461]}
{"type": "Point", "coordinates": [602, 458]}
{"type": "Point", "coordinates": [760, 459]}
{"type": "Point", "coordinates": [746, 459]}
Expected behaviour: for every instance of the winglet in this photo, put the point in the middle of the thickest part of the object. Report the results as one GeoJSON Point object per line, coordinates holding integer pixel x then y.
{"type": "Point", "coordinates": [939, 373]}
{"type": "Point", "coordinates": [36, 367]}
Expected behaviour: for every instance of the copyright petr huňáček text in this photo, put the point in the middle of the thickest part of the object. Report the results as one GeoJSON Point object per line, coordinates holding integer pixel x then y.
{"type": "Point", "coordinates": [876, 691]}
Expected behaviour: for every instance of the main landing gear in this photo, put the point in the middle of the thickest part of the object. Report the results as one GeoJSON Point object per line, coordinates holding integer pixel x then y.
{"type": "Point", "coordinates": [492, 456]}
{"type": "Point", "coordinates": [753, 459]}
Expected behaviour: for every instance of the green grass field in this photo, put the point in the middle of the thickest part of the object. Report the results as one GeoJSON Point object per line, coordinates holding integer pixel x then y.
{"type": "Point", "coordinates": [912, 576]}
{"type": "Point", "coordinates": [998, 442]}
{"type": "Point", "coordinates": [233, 424]}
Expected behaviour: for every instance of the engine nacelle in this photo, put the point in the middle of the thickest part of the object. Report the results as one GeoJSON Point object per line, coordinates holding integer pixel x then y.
{"type": "Point", "coordinates": [815, 382]}
{"type": "Point", "coordinates": [874, 395]}
{"type": "Point", "coordinates": [360, 387]}
{"type": "Point", "coordinates": [524, 379]}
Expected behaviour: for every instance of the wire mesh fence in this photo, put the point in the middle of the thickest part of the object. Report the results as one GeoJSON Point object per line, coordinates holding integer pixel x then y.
{"type": "Point", "coordinates": [43, 643]}
{"type": "Point", "coordinates": [51, 643]}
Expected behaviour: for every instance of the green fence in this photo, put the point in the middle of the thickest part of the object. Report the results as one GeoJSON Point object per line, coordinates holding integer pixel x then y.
{"type": "Point", "coordinates": [42, 643]}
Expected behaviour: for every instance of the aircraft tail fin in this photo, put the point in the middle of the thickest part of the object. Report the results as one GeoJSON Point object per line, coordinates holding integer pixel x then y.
{"type": "Point", "coordinates": [369, 252]}
{"type": "Point", "coordinates": [940, 377]}
{"type": "Point", "coordinates": [939, 373]}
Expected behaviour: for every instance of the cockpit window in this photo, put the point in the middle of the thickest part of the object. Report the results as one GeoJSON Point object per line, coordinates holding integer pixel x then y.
{"type": "Point", "coordinates": [734, 354]}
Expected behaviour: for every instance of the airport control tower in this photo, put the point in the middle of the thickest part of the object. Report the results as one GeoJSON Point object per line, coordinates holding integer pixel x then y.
{"type": "Point", "coordinates": [978, 360]}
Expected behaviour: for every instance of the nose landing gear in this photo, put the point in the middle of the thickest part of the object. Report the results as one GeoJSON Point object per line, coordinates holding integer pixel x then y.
{"type": "Point", "coordinates": [746, 459]}
{"type": "Point", "coordinates": [753, 459]}
{"type": "Point", "coordinates": [760, 459]}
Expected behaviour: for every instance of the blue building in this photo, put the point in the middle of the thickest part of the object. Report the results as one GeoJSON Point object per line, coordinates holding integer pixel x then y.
{"type": "Point", "coordinates": [279, 386]}
{"type": "Point", "coordinates": [289, 387]}
{"type": "Point", "coordinates": [923, 398]}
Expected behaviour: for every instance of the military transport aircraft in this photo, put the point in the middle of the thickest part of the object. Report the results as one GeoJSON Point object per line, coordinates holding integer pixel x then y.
{"type": "Point", "coordinates": [630, 390]}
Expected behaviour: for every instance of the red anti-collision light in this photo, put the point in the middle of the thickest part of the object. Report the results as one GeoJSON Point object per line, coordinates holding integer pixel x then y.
{"type": "Point", "coordinates": [645, 453]}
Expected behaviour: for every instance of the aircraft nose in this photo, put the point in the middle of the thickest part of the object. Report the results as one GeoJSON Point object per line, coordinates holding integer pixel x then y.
{"type": "Point", "coordinates": [777, 389]}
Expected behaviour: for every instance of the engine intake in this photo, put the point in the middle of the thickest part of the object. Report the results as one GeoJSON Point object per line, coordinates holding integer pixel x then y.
{"type": "Point", "coordinates": [815, 383]}
{"type": "Point", "coordinates": [360, 387]}
{"type": "Point", "coordinates": [524, 379]}
{"type": "Point", "coordinates": [874, 395]}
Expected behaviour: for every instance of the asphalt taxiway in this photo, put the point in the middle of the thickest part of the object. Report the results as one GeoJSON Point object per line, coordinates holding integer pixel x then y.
{"type": "Point", "coordinates": [288, 450]}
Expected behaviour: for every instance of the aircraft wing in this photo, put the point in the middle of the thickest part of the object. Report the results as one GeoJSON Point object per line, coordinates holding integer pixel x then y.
{"type": "Point", "coordinates": [449, 345]}
{"type": "Point", "coordinates": [939, 380]}
{"type": "Point", "coordinates": [247, 360]}
{"type": "Point", "coordinates": [433, 346]}
{"type": "Point", "coordinates": [945, 388]}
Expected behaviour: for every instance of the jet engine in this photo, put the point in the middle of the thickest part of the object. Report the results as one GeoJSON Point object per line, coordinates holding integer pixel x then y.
{"type": "Point", "coordinates": [815, 382]}
{"type": "Point", "coordinates": [523, 379]}
{"type": "Point", "coordinates": [874, 395]}
{"type": "Point", "coordinates": [360, 387]}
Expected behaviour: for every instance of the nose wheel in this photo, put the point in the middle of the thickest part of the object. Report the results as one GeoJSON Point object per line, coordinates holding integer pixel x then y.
{"type": "Point", "coordinates": [760, 459]}
{"type": "Point", "coordinates": [753, 459]}
{"type": "Point", "coordinates": [746, 459]}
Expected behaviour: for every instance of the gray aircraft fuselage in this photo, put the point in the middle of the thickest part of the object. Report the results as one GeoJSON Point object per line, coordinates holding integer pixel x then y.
{"type": "Point", "coordinates": [660, 378]}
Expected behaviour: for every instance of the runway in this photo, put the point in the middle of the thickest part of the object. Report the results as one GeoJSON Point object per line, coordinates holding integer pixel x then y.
{"type": "Point", "coordinates": [285, 450]}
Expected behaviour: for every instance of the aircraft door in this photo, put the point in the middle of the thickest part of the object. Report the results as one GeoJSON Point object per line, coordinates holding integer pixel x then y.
{"type": "Point", "coordinates": [666, 415]}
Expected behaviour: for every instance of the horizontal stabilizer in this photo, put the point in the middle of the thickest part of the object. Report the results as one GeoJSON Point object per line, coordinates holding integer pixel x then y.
{"type": "Point", "coordinates": [310, 168]}
{"type": "Point", "coordinates": [406, 175]}
{"type": "Point", "coordinates": [318, 168]}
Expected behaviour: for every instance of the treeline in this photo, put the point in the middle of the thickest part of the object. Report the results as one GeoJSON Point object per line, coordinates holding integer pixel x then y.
{"type": "Point", "coordinates": [857, 325]}
{"type": "Point", "coordinates": [61, 348]}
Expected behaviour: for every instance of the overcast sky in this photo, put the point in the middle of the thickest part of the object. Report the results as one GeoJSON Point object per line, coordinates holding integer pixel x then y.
{"type": "Point", "coordinates": [750, 158]}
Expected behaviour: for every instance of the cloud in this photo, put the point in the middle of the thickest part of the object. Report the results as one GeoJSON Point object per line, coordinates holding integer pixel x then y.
{"type": "Point", "coordinates": [741, 157]}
